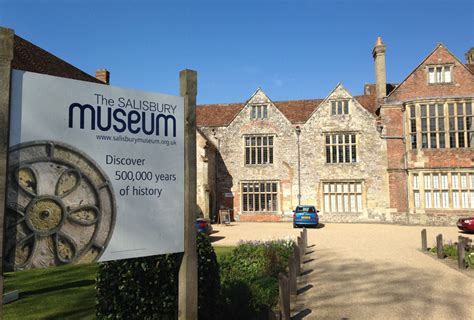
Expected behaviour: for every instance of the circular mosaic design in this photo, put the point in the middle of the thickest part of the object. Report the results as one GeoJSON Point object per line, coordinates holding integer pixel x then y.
{"type": "Point", "coordinates": [60, 207]}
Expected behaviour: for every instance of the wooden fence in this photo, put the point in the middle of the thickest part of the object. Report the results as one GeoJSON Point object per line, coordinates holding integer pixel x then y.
{"type": "Point", "coordinates": [288, 284]}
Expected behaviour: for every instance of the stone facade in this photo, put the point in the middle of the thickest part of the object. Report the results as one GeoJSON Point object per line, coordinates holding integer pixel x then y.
{"type": "Point", "coordinates": [369, 170]}
{"type": "Point", "coordinates": [206, 177]}
{"type": "Point", "coordinates": [389, 177]}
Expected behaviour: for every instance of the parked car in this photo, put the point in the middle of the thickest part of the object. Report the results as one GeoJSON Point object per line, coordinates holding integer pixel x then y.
{"type": "Point", "coordinates": [203, 226]}
{"type": "Point", "coordinates": [305, 215]}
{"type": "Point", "coordinates": [466, 224]}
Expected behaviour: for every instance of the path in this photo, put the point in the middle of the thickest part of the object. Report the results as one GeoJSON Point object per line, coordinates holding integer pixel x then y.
{"type": "Point", "coordinates": [369, 271]}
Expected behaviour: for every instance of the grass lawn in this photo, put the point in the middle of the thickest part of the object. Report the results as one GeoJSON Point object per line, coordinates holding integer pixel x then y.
{"type": "Point", "coordinates": [57, 293]}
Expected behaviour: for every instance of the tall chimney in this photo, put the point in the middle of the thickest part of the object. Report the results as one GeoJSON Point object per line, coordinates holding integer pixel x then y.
{"type": "Point", "coordinates": [103, 75]}
{"type": "Point", "coordinates": [470, 56]}
{"type": "Point", "coordinates": [380, 74]}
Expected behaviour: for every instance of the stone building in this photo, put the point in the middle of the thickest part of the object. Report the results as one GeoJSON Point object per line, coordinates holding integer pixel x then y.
{"type": "Point", "coordinates": [399, 153]}
{"type": "Point", "coordinates": [342, 157]}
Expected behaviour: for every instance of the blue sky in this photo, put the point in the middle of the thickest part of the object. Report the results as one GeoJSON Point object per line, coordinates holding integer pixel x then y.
{"type": "Point", "coordinates": [291, 49]}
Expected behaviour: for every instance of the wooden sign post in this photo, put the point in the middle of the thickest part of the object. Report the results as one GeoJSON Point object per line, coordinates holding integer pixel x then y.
{"type": "Point", "coordinates": [6, 57]}
{"type": "Point", "coordinates": [188, 286]}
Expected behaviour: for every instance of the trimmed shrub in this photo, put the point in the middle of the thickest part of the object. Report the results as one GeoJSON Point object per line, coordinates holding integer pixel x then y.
{"type": "Point", "coordinates": [147, 288]}
{"type": "Point", "coordinates": [249, 277]}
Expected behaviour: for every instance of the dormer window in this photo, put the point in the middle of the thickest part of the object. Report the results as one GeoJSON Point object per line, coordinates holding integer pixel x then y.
{"type": "Point", "coordinates": [339, 107]}
{"type": "Point", "coordinates": [259, 112]}
{"type": "Point", "coordinates": [439, 74]}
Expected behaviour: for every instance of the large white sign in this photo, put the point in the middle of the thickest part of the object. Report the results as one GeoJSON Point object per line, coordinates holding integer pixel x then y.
{"type": "Point", "coordinates": [95, 172]}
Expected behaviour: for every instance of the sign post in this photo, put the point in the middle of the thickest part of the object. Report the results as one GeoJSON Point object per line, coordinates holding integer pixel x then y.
{"type": "Point", "coordinates": [6, 56]}
{"type": "Point", "coordinates": [188, 286]}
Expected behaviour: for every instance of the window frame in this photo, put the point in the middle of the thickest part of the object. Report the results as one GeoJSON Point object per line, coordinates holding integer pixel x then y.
{"type": "Point", "coordinates": [349, 149]}
{"type": "Point", "coordinates": [442, 190]}
{"type": "Point", "coordinates": [256, 196]}
{"type": "Point", "coordinates": [341, 196]}
{"type": "Point", "coordinates": [439, 78]}
{"type": "Point", "coordinates": [255, 153]}
{"type": "Point", "coordinates": [340, 107]}
{"type": "Point", "coordinates": [449, 116]}
{"type": "Point", "coordinates": [259, 112]}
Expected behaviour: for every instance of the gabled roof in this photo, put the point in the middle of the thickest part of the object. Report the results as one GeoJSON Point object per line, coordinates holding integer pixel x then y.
{"type": "Point", "coordinates": [440, 48]}
{"type": "Point", "coordinates": [28, 57]}
{"type": "Point", "coordinates": [296, 111]}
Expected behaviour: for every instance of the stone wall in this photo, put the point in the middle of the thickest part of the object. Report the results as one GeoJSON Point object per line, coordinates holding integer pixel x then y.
{"type": "Point", "coordinates": [370, 167]}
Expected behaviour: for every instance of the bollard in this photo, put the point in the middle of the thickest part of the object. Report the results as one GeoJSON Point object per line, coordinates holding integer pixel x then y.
{"type": "Point", "coordinates": [300, 247]}
{"type": "Point", "coordinates": [292, 275]}
{"type": "Point", "coordinates": [305, 238]}
{"type": "Point", "coordinates": [439, 246]}
{"type": "Point", "coordinates": [424, 242]}
{"type": "Point", "coordinates": [296, 254]}
{"type": "Point", "coordinates": [284, 293]}
{"type": "Point", "coordinates": [461, 252]}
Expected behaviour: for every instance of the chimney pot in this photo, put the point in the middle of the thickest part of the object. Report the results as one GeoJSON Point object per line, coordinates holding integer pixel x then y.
{"type": "Point", "coordinates": [103, 75]}
{"type": "Point", "coordinates": [470, 56]}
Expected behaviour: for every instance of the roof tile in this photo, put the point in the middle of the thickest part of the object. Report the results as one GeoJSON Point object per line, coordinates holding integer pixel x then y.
{"type": "Point", "coordinates": [28, 57]}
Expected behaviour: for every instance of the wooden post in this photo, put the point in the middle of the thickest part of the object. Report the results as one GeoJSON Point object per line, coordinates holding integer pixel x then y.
{"type": "Point", "coordinates": [296, 254]}
{"type": "Point", "coordinates": [292, 275]}
{"type": "Point", "coordinates": [188, 285]}
{"type": "Point", "coordinates": [284, 295]}
{"type": "Point", "coordinates": [439, 246]}
{"type": "Point", "coordinates": [461, 253]}
{"type": "Point", "coordinates": [424, 242]}
{"type": "Point", "coordinates": [300, 247]}
{"type": "Point", "coordinates": [305, 238]}
{"type": "Point", "coordinates": [6, 57]}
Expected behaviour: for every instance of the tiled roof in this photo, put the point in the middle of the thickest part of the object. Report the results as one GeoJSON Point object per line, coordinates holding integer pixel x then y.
{"type": "Point", "coordinates": [216, 115]}
{"type": "Point", "coordinates": [297, 111]}
{"type": "Point", "coordinates": [28, 57]}
{"type": "Point", "coordinates": [368, 102]}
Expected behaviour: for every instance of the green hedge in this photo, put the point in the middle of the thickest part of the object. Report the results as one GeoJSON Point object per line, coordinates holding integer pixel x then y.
{"type": "Point", "coordinates": [147, 288]}
{"type": "Point", "coordinates": [249, 277]}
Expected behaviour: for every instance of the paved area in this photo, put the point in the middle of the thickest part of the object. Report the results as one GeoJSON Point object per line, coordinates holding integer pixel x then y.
{"type": "Point", "coordinates": [369, 271]}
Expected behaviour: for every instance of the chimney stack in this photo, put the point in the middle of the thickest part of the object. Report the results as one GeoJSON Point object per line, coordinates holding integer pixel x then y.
{"type": "Point", "coordinates": [103, 75]}
{"type": "Point", "coordinates": [380, 74]}
{"type": "Point", "coordinates": [470, 56]}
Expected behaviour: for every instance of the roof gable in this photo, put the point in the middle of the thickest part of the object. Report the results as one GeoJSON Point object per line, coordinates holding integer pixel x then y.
{"type": "Point", "coordinates": [415, 85]}
{"type": "Point", "coordinates": [367, 102]}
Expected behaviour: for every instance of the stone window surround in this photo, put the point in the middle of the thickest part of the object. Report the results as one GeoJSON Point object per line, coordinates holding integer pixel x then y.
{"type": "Point", "coordinates": [271, 195]}
{"type": "Point", "coordinates": [441, 191]}
{"type": "Point", "coordinates": [446, 130]}
{"type": "Point", "coordinates": [359, 195]}
{"type": "Point", "coordinates": [443, 66]}
{"type": "Point", "coordinates": [258, 111]}
{"type": "Point", "coordinates": [342, 133]}
{"type": "Point", "coordinates": [259, 150]}
{"type": "Point", "coordinates": [340, 106]}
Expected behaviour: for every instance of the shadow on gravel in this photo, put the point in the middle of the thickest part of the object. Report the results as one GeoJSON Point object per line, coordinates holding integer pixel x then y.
{"type": "Point", "coordinates": [304, 289]}
{"type": "Point", "coordinates": [215, 238]}
{"type": "Point", "coordinates": [356, 288]}
{"type": "Point", "coordinates": [301, 315]}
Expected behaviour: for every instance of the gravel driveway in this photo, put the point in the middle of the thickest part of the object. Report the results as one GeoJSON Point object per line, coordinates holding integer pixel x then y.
{"type": "Point", "coordinates": [369, 271]}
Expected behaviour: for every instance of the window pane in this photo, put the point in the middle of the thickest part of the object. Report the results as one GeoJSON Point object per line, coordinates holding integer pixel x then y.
{"type": "Point", "coordinates": [346, 107]}
{"type": "Point", "coordinates": [447, 74]}
{"type": "Point", "coordinates": [431, 77]}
